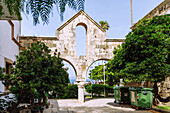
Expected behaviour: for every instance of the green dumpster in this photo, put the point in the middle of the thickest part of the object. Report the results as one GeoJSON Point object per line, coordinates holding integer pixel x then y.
{"type": "Point", "coordinates": [40, 103]}
{"type": "Point", "coordinates": [37, 104]}
{"type": "Point", "coordinates": [121, 94]}
{"type": "Point", "coordinates": [141, 97]}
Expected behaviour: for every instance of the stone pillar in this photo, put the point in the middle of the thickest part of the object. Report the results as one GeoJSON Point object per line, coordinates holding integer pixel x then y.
{"type": "Point", "coordinates": [81, 92]}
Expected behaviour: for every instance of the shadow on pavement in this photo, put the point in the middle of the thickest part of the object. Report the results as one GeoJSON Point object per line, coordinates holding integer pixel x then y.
{"type": "Point", "coordinates": [88, 99]}
{"type": "Point", "coordinates": [119, 105]}
{"type": "Point", "coordinates": [104, 109]}
{"type": "Point", "coordinates": [125, 105]}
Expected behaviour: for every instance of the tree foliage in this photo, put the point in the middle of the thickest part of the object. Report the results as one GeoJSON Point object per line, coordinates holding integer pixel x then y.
{"type": "Point", "coordinates": [144, 55]}
{"type": "Point", "coordinates": [36, 72]}
{"type": "Point", "coordinates": [99, 89]}
{"type": "Point", "coordinates": [98, 74]}
{"type": "Point", "coordinates": [40, 8]}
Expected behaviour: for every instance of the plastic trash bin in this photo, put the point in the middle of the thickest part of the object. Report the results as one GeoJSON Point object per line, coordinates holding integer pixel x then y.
{"type": "Point", "coordinates": [40, 103]}
{"type": "Point", "coordinates": [141, 97]}
{"type": "Point", "coordinates": [121, 94]}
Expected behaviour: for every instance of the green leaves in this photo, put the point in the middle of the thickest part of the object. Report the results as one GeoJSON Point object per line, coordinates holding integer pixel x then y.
{"type": "Point", "coordinates": [144, 54]}
{"type": "Point", "coordinates": [36, 72]}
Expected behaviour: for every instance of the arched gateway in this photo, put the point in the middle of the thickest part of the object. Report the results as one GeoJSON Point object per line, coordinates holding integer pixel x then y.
{"type": "Point", "coordinates": [97, 46]}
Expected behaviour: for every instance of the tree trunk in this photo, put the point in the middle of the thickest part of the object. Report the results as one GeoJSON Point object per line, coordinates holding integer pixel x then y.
{"type": "Point", "coordinates": [157, 98]}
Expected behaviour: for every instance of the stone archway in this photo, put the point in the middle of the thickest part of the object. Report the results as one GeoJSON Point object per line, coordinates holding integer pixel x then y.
{"type": "Point", "coordinates": [97, 46]}
{"type": "Point", "coordinates": [106, 59]}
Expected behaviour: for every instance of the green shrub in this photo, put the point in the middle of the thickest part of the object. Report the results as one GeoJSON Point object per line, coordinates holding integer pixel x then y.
{"type": "Point", "coordinates": [71, 91]}
{"type": "Point", "coordinates": [109, 90]}
{"type": "Point", "coordinates": [88, 88]}
{"type": "Point", "coordinates": [99, 89]}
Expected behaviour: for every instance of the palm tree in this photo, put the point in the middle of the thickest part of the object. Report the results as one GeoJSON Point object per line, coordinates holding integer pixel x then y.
{"type": "Point", "coordinates": [39, 8]}
{"type": "Point", "coordinates": [104, 25]}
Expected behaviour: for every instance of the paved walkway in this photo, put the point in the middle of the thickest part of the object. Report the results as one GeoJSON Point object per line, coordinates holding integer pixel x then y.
{"type": "Point", "coordinates": [101, 105]}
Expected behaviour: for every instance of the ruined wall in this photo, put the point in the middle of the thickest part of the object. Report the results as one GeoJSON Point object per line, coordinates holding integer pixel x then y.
{"type": "Point", "coordinates": [97, 46]}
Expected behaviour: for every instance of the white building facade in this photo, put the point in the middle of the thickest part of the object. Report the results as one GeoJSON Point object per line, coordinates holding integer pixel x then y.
{"type": "Point", "coordinates": [9, 44]}
{"type": "Point", "coordinates": [10, 30]}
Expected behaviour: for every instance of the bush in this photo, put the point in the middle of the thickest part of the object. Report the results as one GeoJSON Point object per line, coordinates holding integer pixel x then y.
{"type": "Point", "coordinates": [71, 91]}
{"type": "Point", "coordinates": [99, 89]}
{"type": "Point", "coordinates": [109, 90]}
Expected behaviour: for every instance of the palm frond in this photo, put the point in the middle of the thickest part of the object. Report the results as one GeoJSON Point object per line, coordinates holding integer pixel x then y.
{"type": "Point", "coordinates": [62, 5]}
{"type": "Point", "coordinates": [40, 8]}
{"type": "Point", "coordinates": [72, 4]}
{"type": "Point", "coordinates": [80, 4]}
{"type": "Point", "coordinates": [104, 25]}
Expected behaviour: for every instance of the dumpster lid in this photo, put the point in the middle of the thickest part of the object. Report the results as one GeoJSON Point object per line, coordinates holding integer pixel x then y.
{"type": "Point", "coordinates": [147, 89]}
{"type": "Point", "coordinates": [120, 87]}
{"type": "Point", "coordinates": [133, 88]}
{"type": "Point", "coordinates": [117, 87]}
{"type": "Point", "coordinates": [139, 88]}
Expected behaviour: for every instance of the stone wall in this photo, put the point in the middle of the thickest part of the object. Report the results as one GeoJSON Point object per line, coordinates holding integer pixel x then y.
{"type": "Point", "coordinates": [164, 88]}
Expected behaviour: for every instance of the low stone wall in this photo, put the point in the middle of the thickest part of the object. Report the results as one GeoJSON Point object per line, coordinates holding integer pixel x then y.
{"type": "Point", "coordinates": [146, 84]}
{"type": "Point", "coordinates": [163, 87]}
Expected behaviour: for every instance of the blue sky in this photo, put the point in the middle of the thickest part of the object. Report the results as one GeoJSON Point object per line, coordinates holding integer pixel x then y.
{"type": "Point", "coordinates": [115, 12]}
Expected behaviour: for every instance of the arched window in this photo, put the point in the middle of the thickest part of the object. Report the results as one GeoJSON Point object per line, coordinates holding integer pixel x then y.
{"type": "Point", "coordinates": [81, 39]}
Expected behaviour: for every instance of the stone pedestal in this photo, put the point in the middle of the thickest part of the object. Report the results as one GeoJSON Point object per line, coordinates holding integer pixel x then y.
{"type": "Point", "coordinates": [80, 91]}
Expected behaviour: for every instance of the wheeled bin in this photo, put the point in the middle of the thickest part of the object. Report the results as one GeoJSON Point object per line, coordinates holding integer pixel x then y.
{"type": "Point", "coordinates": [141, 97]}
{"type": "Point", "coordinates": [39, 103]}
{"type": "Point", "coordinates": [121, 94]}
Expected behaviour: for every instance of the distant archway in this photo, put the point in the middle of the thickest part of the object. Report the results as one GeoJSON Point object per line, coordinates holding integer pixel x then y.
{"type": "Point", "coordinates": [95, 63]}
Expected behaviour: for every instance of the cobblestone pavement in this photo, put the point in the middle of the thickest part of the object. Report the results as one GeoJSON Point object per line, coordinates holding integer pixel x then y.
{"type": "Point", "coordinates": [101, 105]}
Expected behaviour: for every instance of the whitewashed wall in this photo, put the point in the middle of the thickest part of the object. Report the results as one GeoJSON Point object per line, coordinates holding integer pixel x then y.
{"type": "Point", "coordinates": [8, 48]}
